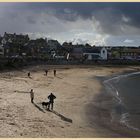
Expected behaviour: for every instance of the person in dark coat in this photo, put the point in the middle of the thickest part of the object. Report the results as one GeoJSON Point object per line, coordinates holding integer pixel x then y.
{"type": "Point", "coordinates": [46, 71]}
{"type": "Point", "coordinates": [32, 95]}
{"type": "Point", "coordinates": [54, 72]}
{"type": "Point", "coordinates": [29, 74]}
{"type": "Point", "coordinates": [51, 98]}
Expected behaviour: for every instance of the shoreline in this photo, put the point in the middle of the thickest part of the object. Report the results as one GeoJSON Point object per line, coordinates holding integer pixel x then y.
{"type": "Point", "coordinates": [81, 98]}
{"type": "Point", "coordinates": [110, 99]}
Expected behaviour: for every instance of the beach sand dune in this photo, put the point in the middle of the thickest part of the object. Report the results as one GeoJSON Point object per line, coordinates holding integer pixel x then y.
{"type": "Point", "coordinates": [76, 109]}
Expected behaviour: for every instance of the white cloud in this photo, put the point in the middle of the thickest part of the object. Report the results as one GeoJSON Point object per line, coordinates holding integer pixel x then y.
{"type": "Point", "coordinates": [128, 41]}
{"type": "Point", "coordinates": [100, 39]}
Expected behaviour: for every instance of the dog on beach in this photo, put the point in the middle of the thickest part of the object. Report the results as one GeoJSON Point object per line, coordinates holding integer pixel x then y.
{"type": "Point", "coordinates": [46, 104]}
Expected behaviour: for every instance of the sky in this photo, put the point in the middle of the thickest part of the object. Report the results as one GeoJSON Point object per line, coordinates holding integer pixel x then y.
{"type": "Point", "coordinates": [96, 23]}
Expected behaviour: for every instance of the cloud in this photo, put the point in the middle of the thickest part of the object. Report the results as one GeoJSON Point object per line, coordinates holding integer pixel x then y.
{"type": "Point", "coordinates": [112, 17]}
{"type": "Point", "coordinates": [79, 41]}
{"type": "Point", "coordinates": [97, 23]}
{"type": "Point", "coordinates": [128, 41]}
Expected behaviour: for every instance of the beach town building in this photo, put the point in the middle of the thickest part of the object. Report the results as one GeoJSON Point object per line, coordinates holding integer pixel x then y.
{"type": "Point", "coordinates": [124, 53]}
{"type": "Point", "coordinates": [0, 39]}
{"type": "Point", "coordinates": [68, 46]}
{"type": "Point", "coordinates": [54, 47]}
{"type": "Point", "coordinates": [14, 38]}
{"type": "Point", "coordinates": [13, 43]}
{"type": "Point", "coordinates": [89, 53]}
{"type": "Point", "coordinates": [86, 52]}
{"type": "Point", "coordinates": [1, 47]}
{"type": "Point", "coordinates": [53, 44]}
{"type": "Point", "coordinates": [36, 47]}
{"type": "Point", "coordinates": [95, 53]}
{"type": "Point", "coordinates": [1, 50]}
{"type": "Point", "coordinates": [130, 53]}
{"type": "Point", "coordinates": [76, 53]}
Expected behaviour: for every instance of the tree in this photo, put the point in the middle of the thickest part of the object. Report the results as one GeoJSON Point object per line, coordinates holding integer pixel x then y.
{"type": "Point", "coordinates": [87, 45]}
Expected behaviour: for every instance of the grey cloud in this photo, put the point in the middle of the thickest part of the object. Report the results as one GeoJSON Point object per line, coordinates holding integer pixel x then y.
{"type": "Point", "coordinates": [31, 20]}
{"type": "Point", "coordinates": [114, 19]}
{"type": "Point", "coordinates": [108, 14]}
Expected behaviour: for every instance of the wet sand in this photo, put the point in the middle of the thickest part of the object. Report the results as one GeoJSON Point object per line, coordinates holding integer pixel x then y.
{"type": "Point", "coordinates": [81, 108]}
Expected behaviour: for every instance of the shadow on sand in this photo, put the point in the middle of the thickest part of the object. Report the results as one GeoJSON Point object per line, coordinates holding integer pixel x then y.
{"type": "Point", "coordinates": [62, 117]}
{"type": "Point", "coordinates": [30, 77]}
{"type": "Point", "coordinates": [56, 113]}
{"type": "Point", "coordinates": [59, 77]}
{"type": "Point", "coordinates": [51, 77]}
{"type": "Point", "coordinates": [19, 91]}
{"type": "Point", "coordinates": [39, 108]}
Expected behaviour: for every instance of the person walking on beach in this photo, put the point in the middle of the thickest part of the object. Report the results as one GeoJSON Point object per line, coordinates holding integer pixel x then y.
{"type": "Point", "coordinates": [29, 74]}
{"type": "Point", "coordinates": [51, 98]}
{"type": "Point", "coordinates": [54, 71]}
{"type": "Point", "coordinates": [46, 71]}
{"type": "Point", "coordinates": [32, 95]}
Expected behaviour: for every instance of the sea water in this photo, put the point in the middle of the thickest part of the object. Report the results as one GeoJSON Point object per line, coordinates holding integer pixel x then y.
{"type": "Point", "coordinates": [126, 91]}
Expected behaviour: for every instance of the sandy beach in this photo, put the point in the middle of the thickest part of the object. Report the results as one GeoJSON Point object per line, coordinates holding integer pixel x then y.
{"type": "Point", "coordinates": [81, 107]}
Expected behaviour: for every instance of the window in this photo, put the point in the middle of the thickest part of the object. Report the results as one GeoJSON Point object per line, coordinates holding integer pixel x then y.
{"type": "Point", "coordinates": [103, 51]}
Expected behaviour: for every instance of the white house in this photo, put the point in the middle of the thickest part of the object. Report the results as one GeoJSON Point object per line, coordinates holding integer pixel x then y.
{"type": "Point", "coordinates": [103, 53]}
{"type": "Point", "coordinates": [96, 53]}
